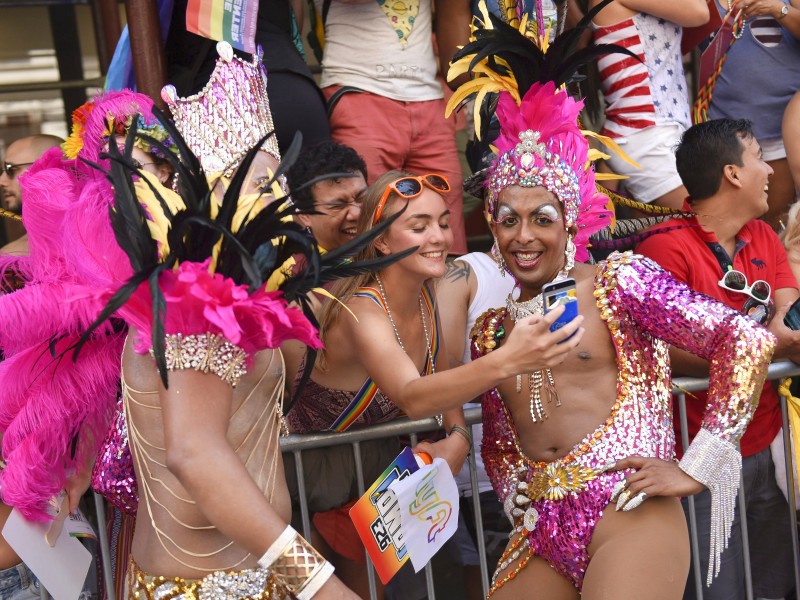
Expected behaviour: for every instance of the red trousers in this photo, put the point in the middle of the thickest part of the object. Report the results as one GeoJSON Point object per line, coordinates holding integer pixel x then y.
{"type": "Point", "coordinates": [412, 136]}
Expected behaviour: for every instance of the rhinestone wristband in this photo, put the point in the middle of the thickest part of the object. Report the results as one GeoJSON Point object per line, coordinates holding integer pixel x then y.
{"type": "Point", "coordinates": [296, 564]}
{"type": "Point", "coordinates": [717, 464]}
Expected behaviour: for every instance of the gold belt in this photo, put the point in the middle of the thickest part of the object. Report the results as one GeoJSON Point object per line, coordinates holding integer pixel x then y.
{"type": "Point", "coordinates": [555, 481]}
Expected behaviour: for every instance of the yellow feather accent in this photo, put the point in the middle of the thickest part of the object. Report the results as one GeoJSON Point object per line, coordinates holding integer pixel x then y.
{"type": "Point", "coordinates": [474, 86]}
{"type": "Point", "coordinates": [609, 176]}
{"type": "Point", "coordinates": [610, 207]}
{"type": "Point", "coordinates": [595, 154]}
{"type": "Point", "coordinates": [279, 275]}
{"type": "Point", "coordinates": [327, 294]}
{"type": "Point", "coordinates": [509, 10]}
{"type": "Point", "coordinates": [608, 142]}
{"type": "Point", "coordinates": [158, 223]}
{"type": "Point", "coordinates": [523, 25]}
{"type": "Point", "coordinates": [484, 10]}
{"type": "Point", "coordinates": [458, 68]}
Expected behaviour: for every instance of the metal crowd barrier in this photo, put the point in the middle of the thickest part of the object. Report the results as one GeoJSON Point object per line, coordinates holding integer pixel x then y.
{"type": "Point", "coordinates": [777, 371]}
{"type": "Point", "coordinates": [296, 444]}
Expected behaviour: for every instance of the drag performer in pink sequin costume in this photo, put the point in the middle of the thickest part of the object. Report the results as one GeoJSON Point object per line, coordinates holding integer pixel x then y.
{"type": "Point", "coordinates": [562, 443]}
{"type": "Point", "coordinates": [644, 310]}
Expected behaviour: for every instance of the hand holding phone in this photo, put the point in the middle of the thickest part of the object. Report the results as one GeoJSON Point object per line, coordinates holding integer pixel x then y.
{"type": "Point", "coordinates": [558, 293]}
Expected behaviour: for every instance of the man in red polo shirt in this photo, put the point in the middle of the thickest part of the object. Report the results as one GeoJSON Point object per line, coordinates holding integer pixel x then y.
{"type": "Point", "coordinates": [728, 254]}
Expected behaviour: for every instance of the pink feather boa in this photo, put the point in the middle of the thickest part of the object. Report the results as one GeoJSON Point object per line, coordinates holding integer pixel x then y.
{"type": "Point", "coordinates": [44, 404]}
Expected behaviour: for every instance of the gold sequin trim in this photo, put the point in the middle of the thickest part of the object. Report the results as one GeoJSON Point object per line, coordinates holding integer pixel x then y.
{"type": "Point", "coordinates": [207, 353]}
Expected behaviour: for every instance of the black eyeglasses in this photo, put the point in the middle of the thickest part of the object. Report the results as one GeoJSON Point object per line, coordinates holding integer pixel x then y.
{"type": "Point", "coordinates": [140, 165]}
{"type": "Point", "coordinates": [11, 169]}
{"type": "Point", "coordinates": [337, 207]}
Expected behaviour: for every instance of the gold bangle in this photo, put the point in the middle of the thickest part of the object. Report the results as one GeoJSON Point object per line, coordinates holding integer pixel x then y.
{"type": "Point", "coordinates": [296, 564]}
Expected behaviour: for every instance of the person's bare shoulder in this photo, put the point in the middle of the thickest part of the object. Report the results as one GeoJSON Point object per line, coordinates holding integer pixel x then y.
{"type": "Point", "coordinates": [458, 283]}
{"type": "Point", "coordinates": [18, 247]}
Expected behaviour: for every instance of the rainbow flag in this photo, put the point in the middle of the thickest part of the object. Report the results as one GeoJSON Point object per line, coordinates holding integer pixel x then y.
{"type": "Point", "coordinates": [232, 21]}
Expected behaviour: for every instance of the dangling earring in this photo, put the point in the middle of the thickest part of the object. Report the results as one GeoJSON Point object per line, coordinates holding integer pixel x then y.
{"type": "Point", "coordinates": [569, 255]}
{"type": "Point", "coordinates": [498, 258]}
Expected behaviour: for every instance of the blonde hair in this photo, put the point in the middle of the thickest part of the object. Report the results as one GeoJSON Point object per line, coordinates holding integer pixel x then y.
{"type": "Point", "coordinates": [344, 289]}
{"type": "Point", "coordinates": [791, 235]}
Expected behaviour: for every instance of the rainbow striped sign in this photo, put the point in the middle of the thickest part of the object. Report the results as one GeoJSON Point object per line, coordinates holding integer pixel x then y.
{"type": "Point", "coordinates": [232, 21]}
{"type": "Point", "coordinates": [376, 517]}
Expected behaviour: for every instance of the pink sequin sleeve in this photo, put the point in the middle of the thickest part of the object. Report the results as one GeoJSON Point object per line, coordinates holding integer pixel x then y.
{"type": "Point", "coordinates": [738, 349]}
{"type": "Point", "coordinates": [501, 457]}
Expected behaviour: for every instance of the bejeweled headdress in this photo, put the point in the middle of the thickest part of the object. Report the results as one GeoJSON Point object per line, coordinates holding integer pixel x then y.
{"type": "Point", "coordinates": [109, 113]}
{"type": "Point", "coordinates": [540, 143]}
{"type": "Point", "coordinates": [229, 115]}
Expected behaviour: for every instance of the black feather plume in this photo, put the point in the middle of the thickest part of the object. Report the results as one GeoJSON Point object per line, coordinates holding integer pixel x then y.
{"type": "Point", "coordinates": [204, 227]}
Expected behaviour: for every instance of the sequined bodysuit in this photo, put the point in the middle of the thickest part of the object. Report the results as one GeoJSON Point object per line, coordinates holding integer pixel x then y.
{"type": "Point", "coordinates": [559, 503]}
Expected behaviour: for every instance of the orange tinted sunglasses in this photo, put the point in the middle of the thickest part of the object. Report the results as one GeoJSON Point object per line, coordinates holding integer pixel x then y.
{"type": "Point", "coordinates": [410, 187]}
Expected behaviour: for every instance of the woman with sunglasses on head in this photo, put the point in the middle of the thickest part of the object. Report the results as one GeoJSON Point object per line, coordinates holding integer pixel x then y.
{"type": "Point", "coordinates": [567, 445]}
{"type": "Point", "coordinates": [388, 361]}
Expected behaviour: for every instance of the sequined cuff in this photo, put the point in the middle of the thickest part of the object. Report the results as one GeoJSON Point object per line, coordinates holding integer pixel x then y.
{"type": "Point", "coordinates": [717, 464]}
{"type": "Point", "coordinates": [296, 564]}
{"type": "Point", "coordinates": [207, 353]}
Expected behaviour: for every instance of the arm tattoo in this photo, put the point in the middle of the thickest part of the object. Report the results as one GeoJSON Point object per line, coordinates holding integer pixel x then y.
{"type": "Point", "coordinates": [457, 270]}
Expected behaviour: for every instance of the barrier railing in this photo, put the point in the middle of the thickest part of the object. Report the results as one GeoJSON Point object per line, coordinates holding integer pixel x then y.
{"type": "Point", "coordinates": [777, 371]}
{"type": "Point", "coordinates": [295, 444]}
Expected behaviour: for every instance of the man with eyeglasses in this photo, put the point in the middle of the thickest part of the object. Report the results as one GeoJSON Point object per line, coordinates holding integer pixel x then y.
{"type": "Point", "coordinates": [20, 155]}
{"type": "Point", "coordinates": [336, 198]}
{"type": "Point", "coordinates": [725, 251]}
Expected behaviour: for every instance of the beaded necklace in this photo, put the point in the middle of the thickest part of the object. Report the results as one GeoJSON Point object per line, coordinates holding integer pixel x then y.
{"type": "Point", "coordinates": [537, 380]}
{"type": "Point", "coordinates": [429, 357]}
{"type": "Point", "coordinates": [739, 23]}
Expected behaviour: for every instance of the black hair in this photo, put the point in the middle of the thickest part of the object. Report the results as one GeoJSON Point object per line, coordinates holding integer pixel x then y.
{"type": "Point", "coordinates": [704, 151]}
{"type": "Point", "coordinates": [318, 160]}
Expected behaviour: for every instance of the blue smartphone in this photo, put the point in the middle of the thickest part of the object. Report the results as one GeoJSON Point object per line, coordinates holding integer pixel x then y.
{"type": "Point", "coordinates": [558, 293]}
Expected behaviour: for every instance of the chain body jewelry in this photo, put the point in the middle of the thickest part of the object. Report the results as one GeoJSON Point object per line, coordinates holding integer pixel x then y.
{"type": "Point", "coordinates": [439, 418]}
{"type": "Point", "coordinates": [519, 546]}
